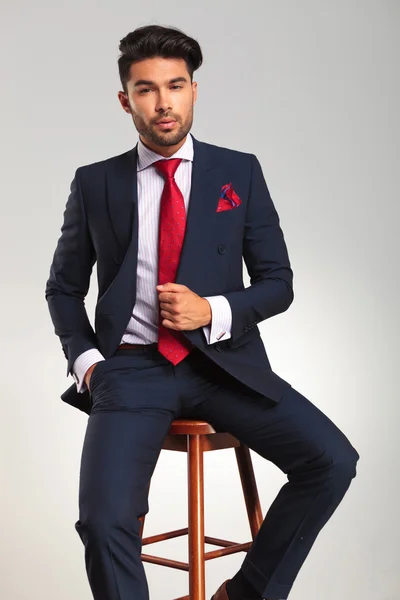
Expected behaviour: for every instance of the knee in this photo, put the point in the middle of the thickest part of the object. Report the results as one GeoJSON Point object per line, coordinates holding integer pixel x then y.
{"type": "Point", "coordinates": [344, 465]}
{"type": "Point", "coordinates": [103, 528]}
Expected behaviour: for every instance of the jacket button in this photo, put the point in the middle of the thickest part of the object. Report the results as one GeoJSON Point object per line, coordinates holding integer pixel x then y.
{"type": "Point", "coordinates": [218, 348]}
{"type": "Point", "coordinates": [222, 248]}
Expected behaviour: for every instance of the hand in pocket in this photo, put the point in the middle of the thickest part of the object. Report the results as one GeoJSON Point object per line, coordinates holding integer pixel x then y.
{"type": "Point", "coordinates": [88, 374]}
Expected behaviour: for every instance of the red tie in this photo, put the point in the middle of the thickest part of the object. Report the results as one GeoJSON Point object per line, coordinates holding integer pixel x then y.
{"type": "Point", "coordinates": [172, 344]}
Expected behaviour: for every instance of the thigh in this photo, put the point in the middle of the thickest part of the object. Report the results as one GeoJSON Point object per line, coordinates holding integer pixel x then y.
{"type": "Point", "coordinates": [119, 454]}
{"type": "Point", "coordinates": [134, 382]}
{"type": "Point", "coordinates": [290, 433]}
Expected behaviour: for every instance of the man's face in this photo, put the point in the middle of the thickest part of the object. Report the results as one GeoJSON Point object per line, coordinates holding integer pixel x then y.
{"type": "Point", "coordinates": [160, 88]}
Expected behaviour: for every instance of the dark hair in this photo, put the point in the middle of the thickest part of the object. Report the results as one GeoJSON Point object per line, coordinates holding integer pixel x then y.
{"type": "Point", "coordinates": [155, 40]}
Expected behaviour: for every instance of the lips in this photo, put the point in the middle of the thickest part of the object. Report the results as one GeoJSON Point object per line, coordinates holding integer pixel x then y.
{"type": "Point", "coordinates": [167, 125]}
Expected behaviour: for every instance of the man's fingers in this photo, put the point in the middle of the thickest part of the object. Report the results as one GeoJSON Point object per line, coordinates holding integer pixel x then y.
{"type": "Point", "coordinates": [168, 297]}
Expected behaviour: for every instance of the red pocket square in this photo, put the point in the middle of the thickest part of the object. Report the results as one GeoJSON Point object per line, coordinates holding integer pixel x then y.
{"type": "Point", "coordinates": [228, 198]}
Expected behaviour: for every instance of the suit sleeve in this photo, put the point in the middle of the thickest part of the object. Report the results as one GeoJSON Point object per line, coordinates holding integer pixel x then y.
{"type": "Point", "coordinates": [69, 278]}
{"type": "Point", "coordinates": [266, 258]}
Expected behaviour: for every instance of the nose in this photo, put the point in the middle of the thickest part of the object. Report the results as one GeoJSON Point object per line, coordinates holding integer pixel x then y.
{"type": "Point", "coordinates": [163, 102]}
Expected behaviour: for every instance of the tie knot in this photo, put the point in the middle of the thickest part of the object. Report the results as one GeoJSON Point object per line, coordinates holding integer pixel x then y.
{"type": "Point", "coordinates": [168, 166]}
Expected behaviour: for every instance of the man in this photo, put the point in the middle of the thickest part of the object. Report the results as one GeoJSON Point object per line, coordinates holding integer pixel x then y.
{"type": "Point", "coordinates": [176, 334]}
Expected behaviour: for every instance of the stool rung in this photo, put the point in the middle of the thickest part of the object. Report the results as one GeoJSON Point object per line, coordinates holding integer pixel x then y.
{"type": "Point", "coordinates": [226, 551]}
{"type": "Point", "coordinates": [165, 562]}
{"type": "Point", "coordinates": [160, 537]}
{"type": "Point", "coordinates": [218, 542]}
{"type": "Point", "coordinates": [184, 566]}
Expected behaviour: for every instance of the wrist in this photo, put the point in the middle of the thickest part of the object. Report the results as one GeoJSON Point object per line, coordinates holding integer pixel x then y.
{"type": "Point", "coordinates": [89, 373]}
{"type": "Point", "coordinates": [208, 316]}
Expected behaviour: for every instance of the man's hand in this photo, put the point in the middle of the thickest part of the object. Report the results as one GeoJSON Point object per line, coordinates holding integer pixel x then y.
{"type": "Point", "coordinates": [88, 374]}
{"type": "Point", "coordinates": [181, 308]}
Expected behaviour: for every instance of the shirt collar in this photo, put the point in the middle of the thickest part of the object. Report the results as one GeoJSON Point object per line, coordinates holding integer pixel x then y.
{"type": "Point", "coordinates": [147, 157]}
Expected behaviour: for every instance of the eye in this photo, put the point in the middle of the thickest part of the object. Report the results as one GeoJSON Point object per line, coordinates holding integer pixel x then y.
{"type": "Point", "coordinates": [146, 89]}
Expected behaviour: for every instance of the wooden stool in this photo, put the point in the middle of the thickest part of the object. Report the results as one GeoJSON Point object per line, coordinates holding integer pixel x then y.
{"type": "Point", "coordinates": [196, 437]}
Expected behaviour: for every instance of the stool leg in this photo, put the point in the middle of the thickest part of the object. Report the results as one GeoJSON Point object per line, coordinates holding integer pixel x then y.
{"type": "Point", "coordinates": [249, 487]}
{"type": "Point", "coordinates": [196, 517]}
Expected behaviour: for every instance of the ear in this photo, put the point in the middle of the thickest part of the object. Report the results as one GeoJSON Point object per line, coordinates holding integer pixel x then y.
{"type": "Point", "coordinates": [194, 89]}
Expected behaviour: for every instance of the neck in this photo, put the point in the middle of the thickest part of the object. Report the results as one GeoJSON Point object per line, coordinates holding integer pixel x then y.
{"type": "Point", "coordinates": [166, 151]}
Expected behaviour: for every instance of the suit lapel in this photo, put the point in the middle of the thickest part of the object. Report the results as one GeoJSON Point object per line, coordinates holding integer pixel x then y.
{"type": "Point", "coordinates": [122, 196]}
{"type": "Point", "coordinates": [200, 218]}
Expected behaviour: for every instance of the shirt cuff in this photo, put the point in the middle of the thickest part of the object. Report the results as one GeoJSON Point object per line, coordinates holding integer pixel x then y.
{"type": "Point", "coordinates": [221, 320]}
{"type": "Point", "coordinates": [81, 365]}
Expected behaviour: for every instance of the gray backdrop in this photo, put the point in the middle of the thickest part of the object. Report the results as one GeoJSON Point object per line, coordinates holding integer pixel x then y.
{"type": "Point", "coordinates": [312, 89]}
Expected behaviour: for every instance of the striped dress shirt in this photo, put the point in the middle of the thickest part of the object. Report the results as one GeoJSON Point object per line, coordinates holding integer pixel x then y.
{"type": "Point", "coordinates": [143, 324]}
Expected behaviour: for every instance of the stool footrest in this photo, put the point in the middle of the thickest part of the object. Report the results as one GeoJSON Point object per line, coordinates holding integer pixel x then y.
{"type": "Point", "coordinates": [160, 537]}
{"type": "Point", "coordinates": [165, 562]}
{"type": "Point", "coordinates": [228, 547]}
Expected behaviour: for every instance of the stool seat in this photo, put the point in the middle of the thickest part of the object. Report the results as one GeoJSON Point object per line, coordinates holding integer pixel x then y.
{"type": "Point", "coordinates": [196, 437]}
{"type": "Point", "coordinates": [190, 427]}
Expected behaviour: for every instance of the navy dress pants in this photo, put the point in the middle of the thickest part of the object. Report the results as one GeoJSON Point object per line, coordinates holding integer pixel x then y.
{"type": "Point", "coordinates": [136, 394]}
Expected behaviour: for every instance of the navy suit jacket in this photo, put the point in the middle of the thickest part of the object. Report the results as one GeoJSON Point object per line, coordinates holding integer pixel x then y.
{"type": "Point", "coordinates": [101, 224]}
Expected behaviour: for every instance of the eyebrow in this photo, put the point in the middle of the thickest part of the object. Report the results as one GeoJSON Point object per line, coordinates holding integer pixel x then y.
{"type": "Point", "coordinates": [149, 82]}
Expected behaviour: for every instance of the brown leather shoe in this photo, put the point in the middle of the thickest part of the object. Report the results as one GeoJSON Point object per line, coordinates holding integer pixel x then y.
{"type": "Point", "coordinates": [221, 593]}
